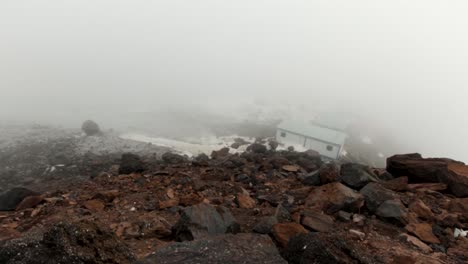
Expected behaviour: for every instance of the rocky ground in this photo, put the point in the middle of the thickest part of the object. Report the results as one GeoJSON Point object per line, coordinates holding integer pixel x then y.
{"type": "Point", "coordinates": [260, 206]}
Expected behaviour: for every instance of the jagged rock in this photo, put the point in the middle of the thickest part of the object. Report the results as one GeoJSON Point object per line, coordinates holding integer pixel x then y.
{"type": "Point", "coordinates": [457, 179]}
{"type": "Point", "coordinates": [131, 163]}
{"type": "Point", "coordinates": [356, 175]}
{"type": "Point", "coordinates": [90, 128]}
{"type": "Point", "coordinates": [423, 231]}
{"type": "Point", "coordinates": [82, 242]}
{"type": "Point", "coordinates": [265, 225]}
{"type": "Point", "coordinates": [393, 209]}
{"type": "Point", "coordinates": [226, 249]}
{"type": "Point", "coordinates": [282, 214]}
{"type": "Point", "coordinates": [204, 220]}
{"type": "Point", "coordinates": [375, 194]}
{"type": "Point", "coordinates": [321, 248]}
{"type": "Point", "coordinates": [283, 232]}
{"type": "Point", "coordinates": [459, 205]}
{"type": "Point", "coordinates": [421, 210]}
{"type": "Point", "coordinates": [317, 221]}
{"type": "Point", "coordinates": [9, 200]}
{"type": "Point", "coordinates": [172, 158]}
{"type": "Point", "coordinates": [334, 197]}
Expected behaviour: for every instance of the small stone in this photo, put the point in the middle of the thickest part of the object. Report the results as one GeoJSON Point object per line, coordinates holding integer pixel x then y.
{"type": "Point", "coordinates": [245, 201]}
{"type": "Point", "coordinates": [94, 205]}
{"type": "Point", "coordinates": [168, 203]}
{"type": "Point", "coordinates": [360, 235]}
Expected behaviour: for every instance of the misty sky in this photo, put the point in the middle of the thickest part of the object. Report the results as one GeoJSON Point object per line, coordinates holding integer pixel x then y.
{"type": "Point", "coordinates": [402, 65]}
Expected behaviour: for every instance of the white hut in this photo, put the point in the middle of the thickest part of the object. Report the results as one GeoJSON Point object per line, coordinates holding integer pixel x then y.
{"type": "Point", "coordinates": [327, 141]}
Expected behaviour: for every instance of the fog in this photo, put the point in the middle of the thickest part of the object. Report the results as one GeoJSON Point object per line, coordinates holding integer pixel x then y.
{"type": "Point", "coordinates": [398, 67]}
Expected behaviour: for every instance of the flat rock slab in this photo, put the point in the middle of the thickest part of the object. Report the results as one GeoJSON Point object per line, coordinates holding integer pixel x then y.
{"type": "Point", "coordinates": [225, 249]}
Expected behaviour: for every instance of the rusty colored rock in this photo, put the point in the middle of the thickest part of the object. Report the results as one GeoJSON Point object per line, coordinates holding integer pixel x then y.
{"type": "Point", "coordinates": [245, 201]}
{"type": "Point", "coordinates": [424, 232]}
{"type": "Point", "coordinates": [317, 221]}
{"type": "Point", "coordinates": [421, 210]}
{"type": "Point", "coordinates": [168, 203]}
{"type": "Point", "coordinates": [398, 184]}
{"type": "Point", "coordinates": [284, 231]}
{"type": "Point", "coordinates": [291, 168]}
{"type": "Point", "coordinates": [334, 197]}
{"type": "Point", "coordinates": [94, 205]}
{"type": "Point", "coordinates": [30, 202]}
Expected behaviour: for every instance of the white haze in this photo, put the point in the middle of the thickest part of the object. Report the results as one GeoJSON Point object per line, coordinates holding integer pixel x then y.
{"type": "Point", "coordinates": [400, 66]}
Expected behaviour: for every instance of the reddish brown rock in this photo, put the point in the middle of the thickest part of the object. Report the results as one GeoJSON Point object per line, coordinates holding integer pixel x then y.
{"type": "Point", "coordinates": [416, 242]}
{"type": "Point", "coordinates": [459, 250]}
{"type": "Point", "coordinates": [421, 210]}
{"type": "Point", "coordinates": [245, 201]}
{"type": "Point", "coordinates": [291, 168]}
{"type": "Point", "coordinates": [317, 221]}
{"type": "Point", "coordinates": [285, 231]}
{"type": "Point", "coordinates": [424, 232]}
{"type": "Point", "coordinates": [334, 197]}
{"type": "Point", "coordinates": [94, 205]}
{"type": "Point", "coordinates": [422, 187]}
{"type": "Point", "coordinates": [398, 184]}
{"type": "Point", "coordinates": [29, 202]}
{"type": "Point", "coordinates": [107, 196]}
{"type": "Point", "coordinates": [459, 206]}
{"type": "Point", "coordinates": [168, 203]}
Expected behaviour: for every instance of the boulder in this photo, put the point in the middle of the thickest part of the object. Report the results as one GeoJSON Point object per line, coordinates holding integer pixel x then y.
{"type": "Point", "coordinates": [203, 220]}
{"type": "Point", "coordinates": [283, 232]}
{"type": "Point", "coordinates": [131, 163]}
{"type": "Point", "coordinates": [431, 170]}
{"type": "Point", "coordinates": [201, 160]}
{"type": "Point", "coordinates": [226, 249]}
{"type": "Point", "coordinates": [10, 200]}
{"type": "Point", "coordinates": [81, 242]}
{"type": "Point", "coordinates": [375, 194]}
{"type": "Point", "coordinates": [90, 128]}
{"type": "Point", "coordinates": [356, 175]}
{"type": "Point", "coordinates": [334, 197]}
{"type": "Point", "coordinates": [416, 168]}
{"type": "Point", "coordinates": [173, 158]}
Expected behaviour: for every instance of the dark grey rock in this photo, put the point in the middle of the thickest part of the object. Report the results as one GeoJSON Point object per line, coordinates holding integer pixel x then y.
{"type": "Point", "coordinates": [225, 249]}
{"type": "Point", "coordinates": [375, 194]}
{"type": "Point", "coordinates": [356, 175]}
{"type": "Point", "coordinates": [131, 163]}
{"type": "Point", "coordinates": [10, 199]}
{"type": "Point", "coordinates": [203, 220]}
